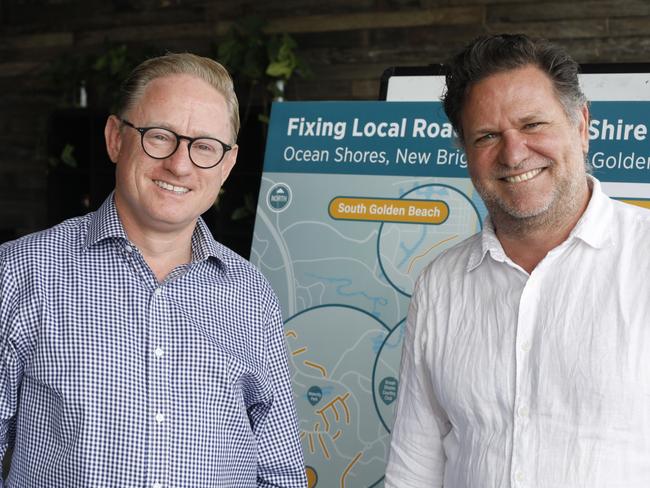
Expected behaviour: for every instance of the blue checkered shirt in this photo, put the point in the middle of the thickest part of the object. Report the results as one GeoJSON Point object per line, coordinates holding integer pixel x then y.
{"type": "Point", "coordinates": [111, 379]}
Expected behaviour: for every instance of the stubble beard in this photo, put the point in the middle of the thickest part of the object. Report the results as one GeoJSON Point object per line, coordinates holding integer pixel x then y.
{"type": "Point", "coordinates": [509, 218]}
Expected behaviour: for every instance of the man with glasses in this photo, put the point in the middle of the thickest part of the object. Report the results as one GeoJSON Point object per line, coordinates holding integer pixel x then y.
{"type": "Point", "coordinates": [135, 350]}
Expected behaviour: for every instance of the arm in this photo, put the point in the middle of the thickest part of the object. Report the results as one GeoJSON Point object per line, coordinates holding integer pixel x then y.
{"type": "Point", "coordinates": [417, 458]}
{"type": "Point", "coordinates": [10, 368]}
{"type": "Point", "coordinates": [280, 458]}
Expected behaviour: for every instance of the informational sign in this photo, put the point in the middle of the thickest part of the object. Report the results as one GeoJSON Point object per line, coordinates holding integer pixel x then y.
{"type": "Point", "coordinates": [356, 199]}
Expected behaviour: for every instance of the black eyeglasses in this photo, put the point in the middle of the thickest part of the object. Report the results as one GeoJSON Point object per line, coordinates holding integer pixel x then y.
{"type": "Point", "coordinates": [160, 143]}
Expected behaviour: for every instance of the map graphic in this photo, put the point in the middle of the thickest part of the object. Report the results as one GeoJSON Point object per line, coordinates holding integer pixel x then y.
{"type": "Point", "coordinates": [344, 283]}
{"type": "Point", "coordinates": [405, 249]}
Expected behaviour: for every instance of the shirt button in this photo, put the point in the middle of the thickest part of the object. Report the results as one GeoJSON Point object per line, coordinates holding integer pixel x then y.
{"type": "Point", "coordinates": [519, 476]}
{"type": "Point", "coordinates": [524, 412]}
{"type": "Point", "coordinates": [158, 291]}
{"type": "Point", "coordinates": [128, 248]}
{"type": "Point", "coordinates": [159, 418]}
{"type": "Point", "coordinates": [159, 352]}
{"type": "Point", "coordinates": [525, 346]}
{"type": "Point", "coordinates": [157, 485]}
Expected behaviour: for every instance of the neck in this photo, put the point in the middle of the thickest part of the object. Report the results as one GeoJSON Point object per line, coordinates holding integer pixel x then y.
{"type": "Point", "coordinates": [528, 241]}
{"type": "Point", "coordinates": [163, 253]}
{"type": "Point", "coordinates": [163, 250]}
{"type": "Point", "coordinates": [528, 250]}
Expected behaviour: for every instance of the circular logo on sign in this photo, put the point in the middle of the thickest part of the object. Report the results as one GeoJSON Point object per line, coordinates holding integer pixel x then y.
{"type": "Point", "coordinates": [279, 197]}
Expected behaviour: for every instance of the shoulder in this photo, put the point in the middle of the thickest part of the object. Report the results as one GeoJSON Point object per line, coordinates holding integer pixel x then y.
{"type": "Point", "coordinates": [631, 212]}
{"type": "Point", "coordinates": [452, 263]}
{"type": "Point", "coordinates": [631, 221]}
{"type": "Point", "coordinates": [50, 245]}
{"type": "Point", "coordinates": [244, 275]}
{"type": "Point", "coordinates": [631, 235]}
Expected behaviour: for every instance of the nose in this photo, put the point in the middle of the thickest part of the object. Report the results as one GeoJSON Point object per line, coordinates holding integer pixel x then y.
{"type": "Point", "coordinates": [179, 163]}
{"type": "Point", "coordinates": [514, 148]}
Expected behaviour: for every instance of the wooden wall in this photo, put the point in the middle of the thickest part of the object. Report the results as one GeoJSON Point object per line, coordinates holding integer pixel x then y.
{"type": "Point", "coordinates": [347, 43]}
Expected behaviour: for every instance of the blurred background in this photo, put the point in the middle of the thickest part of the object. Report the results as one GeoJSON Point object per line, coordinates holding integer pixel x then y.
{"type": "Point", "coordinates": [61, 62]}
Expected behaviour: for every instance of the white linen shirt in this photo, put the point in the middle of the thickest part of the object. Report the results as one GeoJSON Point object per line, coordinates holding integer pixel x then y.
{"type": "Point", "coordinates": [542, 380]}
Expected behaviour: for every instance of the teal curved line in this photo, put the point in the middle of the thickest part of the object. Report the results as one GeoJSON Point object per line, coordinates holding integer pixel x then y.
{"type": "Point", "coordinates": [374, 371]}
{"type": "Point", "coordinates": [381, 227]}
{"type": "Point", "coordinates": [339, 305]}
{"type": "Point", "coordinates": [423, 235]}
{"type": "Point", "coordinates": [377, 482]}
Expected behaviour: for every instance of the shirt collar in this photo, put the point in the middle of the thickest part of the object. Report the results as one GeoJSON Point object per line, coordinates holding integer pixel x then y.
{"type": "Point", "coordinates": [203, 244]}
{"type": "Point", "coordinates": [592, 228]}
{"type": "Point", "coordinates": [489, 243]}
{"type": "Point", "coordinates": [105, 224]}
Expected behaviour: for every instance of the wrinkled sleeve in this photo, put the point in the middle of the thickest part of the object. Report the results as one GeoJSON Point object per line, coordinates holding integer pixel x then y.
{"type": "Point", "coordinates": [10, 369]}
{"type": "Point", "coordinates": [416, 458]}
{"type": "Point", "coordinates": [280, 461]}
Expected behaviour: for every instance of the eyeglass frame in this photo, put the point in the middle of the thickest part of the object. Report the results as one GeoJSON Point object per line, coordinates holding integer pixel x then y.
{"type": "Point", "coordinates": [179, 137]}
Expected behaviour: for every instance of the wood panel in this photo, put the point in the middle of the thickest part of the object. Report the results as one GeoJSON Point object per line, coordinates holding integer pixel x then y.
{"type": "Point", "coordinates": [347, 43]}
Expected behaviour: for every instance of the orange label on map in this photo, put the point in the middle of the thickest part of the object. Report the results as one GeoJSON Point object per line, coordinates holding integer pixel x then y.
{"type": "Point", "coordinates": [389, 210]}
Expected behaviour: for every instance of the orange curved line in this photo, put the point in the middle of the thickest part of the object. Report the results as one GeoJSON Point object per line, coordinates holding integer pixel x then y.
{"type": "Point", "coordinates": [327, 424]}
{"type": "Point", "coordinates": [326, 453]}
{"type": "Point", "coordinates": [320, 368]}
{"type": "Point", "coordinates": [298, 351]}
{"type": "Point", "coordinates": [311, 443]}
{"type": "Point", "coordinates": [337, 417]}
{"type": "Point", "coordinates": [345, 407]}
{"type": "Point", "coordinates": [428, 251]}
{"type": "Point", "coordinates": [291, 333]}
{"type": "Point", "coordinates": [347, 470]}
{"type": "Point", "coordinates": [337, 399]}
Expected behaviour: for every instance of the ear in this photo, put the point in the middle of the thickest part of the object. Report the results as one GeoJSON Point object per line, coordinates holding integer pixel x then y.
{"type": "Point", "coordinates": [113, 137]}
{"type": "Point", "coordinates": [228, 163]}
{"type": "Point", "coordinates": [583, 127]}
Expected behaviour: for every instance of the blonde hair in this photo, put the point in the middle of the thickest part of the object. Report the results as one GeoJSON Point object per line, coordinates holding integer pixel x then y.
{"type": "Point", "coordinates": [206, 69]}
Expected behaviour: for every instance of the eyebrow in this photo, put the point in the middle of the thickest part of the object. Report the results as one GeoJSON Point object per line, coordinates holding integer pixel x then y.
{"type": "Point", "coordinates": [535, 116]}
{"type": "Point", "coordinates": [480, 132]}
{"type": "Point", "coordinates": [525, 119]}
{"type": "Point", "coordinates": [164, 125]}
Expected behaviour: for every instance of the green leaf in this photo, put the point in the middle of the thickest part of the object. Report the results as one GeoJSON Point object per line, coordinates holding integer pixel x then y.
{"type": "Point", "coordinates": [67, 156]}
{"type": "Point", "coordinates": [279, 69]}
{"type": "Point", "coordinates": [240, 213]}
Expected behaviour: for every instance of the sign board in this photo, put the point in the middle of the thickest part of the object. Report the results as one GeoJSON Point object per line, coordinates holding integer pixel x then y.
{"type": "Point", "coordinates": [356, 199]}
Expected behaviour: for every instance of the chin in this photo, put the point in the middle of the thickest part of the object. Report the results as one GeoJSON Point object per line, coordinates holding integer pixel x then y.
{"type": "Point", "coordinates": [172, 220]}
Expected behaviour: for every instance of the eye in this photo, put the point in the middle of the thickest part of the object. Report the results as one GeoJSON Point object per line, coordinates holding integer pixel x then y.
{"type": "Point", "coordinates": [485, 139]}
{"type": "Point", "coordinates": [204, 146]}
{"type": "Point", "coordinates": [533, 125]}
{"type": "Point", "coordinates": [159, 136]}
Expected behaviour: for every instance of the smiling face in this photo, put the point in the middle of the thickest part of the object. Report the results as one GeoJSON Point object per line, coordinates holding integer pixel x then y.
{"type": "Point", "coordinates": [525, 156]}
{"type": "Point", "coordinates": [168, 195]}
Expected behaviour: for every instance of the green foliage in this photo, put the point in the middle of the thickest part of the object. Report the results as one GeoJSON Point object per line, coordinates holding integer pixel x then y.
{"type": "Point", "coordinates": [255, 57]}
{"type": "Point", "coordinates": [261, 64]}
{"type": "Point", "coordinates": [284, 61]}
{"type": "Point", "coordinates": [67, 157]}
{"type": "Point", "coordinates": [243, 50]}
